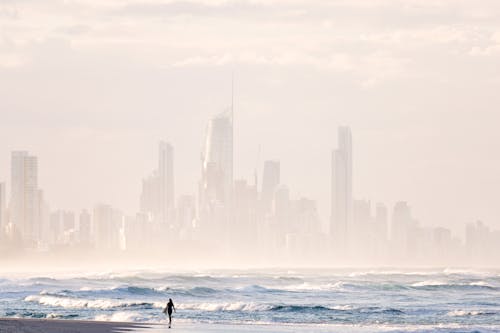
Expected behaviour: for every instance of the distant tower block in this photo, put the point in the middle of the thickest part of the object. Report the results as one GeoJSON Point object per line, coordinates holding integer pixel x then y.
{"type": "Point", "coordinates": [24, 195]}
{"type": "Point", "coordinates": [270, 180]}
{"type": "Point", "coordinates": [217, 160]}
{"type": "Point", "coordinates": [341, 187]}
{"type": "Point", "coordinates": [166, 181]}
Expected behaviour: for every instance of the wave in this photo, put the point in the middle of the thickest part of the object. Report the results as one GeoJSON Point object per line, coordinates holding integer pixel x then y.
{"type": "Point", "coordinates": [306, 286]}
{"type": "Point", "coordinates": [236, 306]}
{"type": "Point", "coordinates": [132, 290]}
{"type": "Point", "coordinates": [301, 308]}
{"type": "Point", "coordinates": [258, 307]}
{"type": "Point", "coordinates": [69, 302]}
{"type": "Point", "coordinates": [463, 313]}
{"type": "Point", "coordinates": [121, 316]}
{"type": "Point", "coordinates": [53, 315]}
{"type": "Point", "coordinates": [429, 283]}
{"type": "Point", "coordinates": [481, 284]}
{"type": "Point", "coordinates": [446, 284]}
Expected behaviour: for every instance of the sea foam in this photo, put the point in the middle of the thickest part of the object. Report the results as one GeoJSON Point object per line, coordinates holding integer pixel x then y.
{"type": "Point", "coordinates": [69, 302]}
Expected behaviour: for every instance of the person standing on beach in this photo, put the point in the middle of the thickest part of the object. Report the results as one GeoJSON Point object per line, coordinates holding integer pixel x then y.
{"type": "Point", "coordinates": [168, 309]}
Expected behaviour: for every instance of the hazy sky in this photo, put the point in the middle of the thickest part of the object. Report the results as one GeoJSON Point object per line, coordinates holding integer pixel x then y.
{"type": "Point", "coordinates": [90, 87]}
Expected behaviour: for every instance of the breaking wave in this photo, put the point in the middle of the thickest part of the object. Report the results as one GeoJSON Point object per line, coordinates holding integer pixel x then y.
{"type": "Point", "coordinates": [463, 313]}
{"type": "Point", "coordinates": [75, 303]}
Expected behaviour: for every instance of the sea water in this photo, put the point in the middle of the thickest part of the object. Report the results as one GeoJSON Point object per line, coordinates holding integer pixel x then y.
{"type": "Point", "coordinates": [438, 300]}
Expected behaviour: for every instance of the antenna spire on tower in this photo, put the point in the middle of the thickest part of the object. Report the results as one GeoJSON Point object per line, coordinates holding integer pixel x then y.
{"type": "Point", "coordinates": [232, 97]}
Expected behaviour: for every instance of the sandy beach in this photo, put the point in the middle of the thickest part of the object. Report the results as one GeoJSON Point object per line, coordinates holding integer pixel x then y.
{"type": "Point", "coordinates": [11, 325]}
{"type": "Point", "coordinates": [18, 325]}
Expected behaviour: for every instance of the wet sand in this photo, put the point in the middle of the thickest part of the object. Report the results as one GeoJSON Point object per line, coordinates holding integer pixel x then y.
{"type": "Point", "coordinates": [14, 325]}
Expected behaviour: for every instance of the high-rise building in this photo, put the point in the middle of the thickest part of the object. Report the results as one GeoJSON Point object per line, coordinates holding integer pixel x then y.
{"type": "Point", "coordinates": [166, 181]}
{"type": "Point", "coordinates": [103, 229]}
{"type": "Point", "coordinates": [381, 222]}
{"type": "Point", "coordinates": [186, 212]}
{"type": "Point", "coordinates": [150, 195]}
{"type": "Point", "coordinates": [43, 219]}
{"type": "Point", "coordinates": [24, 195]}
{"type": "Point", "coordinates": [62, 223]}
{"type": "Point", "coordinates": [403, 228]}
{"type": "Point", "coordinates": [157, 199]}
{"type": "Point", "coordinates": [3, 208]}
{"type": "Point", "coordinates": [281, 207]}
{"type": "Point", "coordinates": [217, 161]}
{"type": "Point", "coordinates": [84, 227]}
{"type": "Point", "coordinates": [341, 190]}
{"type": "Point", "coordinates": [270, 180]}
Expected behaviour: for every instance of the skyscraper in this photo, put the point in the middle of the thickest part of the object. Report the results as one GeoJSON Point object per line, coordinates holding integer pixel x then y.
{"type": "Point", "coordinates": [24, 195]}
{"type": "Point", "coordinates": [2, 207]}
{"type": "Point", "coordinates": [217, 160]}
{"type": "Point", "coordinates": [157, 198]}
{"type": "Point", "coordinates": [341, 190]}
{"type": "Point", "coordinates": [270, 180]}
{"type": "Point", "coordinates": [150, 195]}
{"type": "Point", "coordinates": [84, 227]}
{"type": "Point", "coordinates": [403, 227]}
{"type": "Point", "coordinates": [103, 229]}
{"type": "Point", "coordinates": [381, 222]}
{"type": "Point", "coordinates": [166, 181]}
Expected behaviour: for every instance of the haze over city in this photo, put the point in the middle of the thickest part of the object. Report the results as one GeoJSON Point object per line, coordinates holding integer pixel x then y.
{"type": "Point", "coordinates": [90, 88]}
{"type": "Point", "coordinates": [249, 166]}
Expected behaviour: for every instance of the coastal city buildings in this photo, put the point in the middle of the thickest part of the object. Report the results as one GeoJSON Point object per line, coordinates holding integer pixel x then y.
{"type": "Point", "coordinates": [228, 217]}
{"type": "Point", "coordinates": [3, 205]}
{"type": "Point", "coordinates": [341, 190]}
{"type": "Point", "coordinates": [23, 207]}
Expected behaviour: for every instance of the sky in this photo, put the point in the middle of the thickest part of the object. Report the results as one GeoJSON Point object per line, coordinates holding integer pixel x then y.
{"type": "Point", "coordinates": [90, 87]}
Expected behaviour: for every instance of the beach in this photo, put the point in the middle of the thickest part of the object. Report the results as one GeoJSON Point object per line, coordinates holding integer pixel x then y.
{"type": "Point", "coordinates": [19, 325]}
{"type": "Point", "coordinates": [16, 325]}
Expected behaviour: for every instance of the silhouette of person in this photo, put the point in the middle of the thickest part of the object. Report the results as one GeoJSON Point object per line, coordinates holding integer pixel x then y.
{"type": "Point", "coordinates": [168, 310]}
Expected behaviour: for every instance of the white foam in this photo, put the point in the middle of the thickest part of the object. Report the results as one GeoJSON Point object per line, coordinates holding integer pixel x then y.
{"type": "Point", "coordinates": [121, 316]}
{"type": "Point", "coordinates": [319, 287]}
{"type": "Point", "coordinates": [342, 307]}
{"type": "Point", "coordinates": [463, 313]}
{"type": "Point", "coordinates": [429, 283]}
{"type": "Point", "coordinates": [435, 283]}
{"type": "Point", "coordinates": [68, 302]}
{"type": "Point", "coordinates": [53, 316]}
{"type": "Point", "coordinates": [480, 284]}
{"type": "Point", "coordinates": [237, 306]}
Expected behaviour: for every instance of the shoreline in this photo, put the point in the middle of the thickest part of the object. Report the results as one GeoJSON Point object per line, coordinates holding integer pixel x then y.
{"type": "Point", "coordinates": [29, 325]}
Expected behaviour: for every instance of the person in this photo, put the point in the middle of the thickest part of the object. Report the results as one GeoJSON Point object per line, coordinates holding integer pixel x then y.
{"type": "Point", "coordinates": [168, 309]}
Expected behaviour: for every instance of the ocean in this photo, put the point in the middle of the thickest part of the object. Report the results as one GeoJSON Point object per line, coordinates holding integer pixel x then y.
{"type": "Point", "coordinates": [434, 300]}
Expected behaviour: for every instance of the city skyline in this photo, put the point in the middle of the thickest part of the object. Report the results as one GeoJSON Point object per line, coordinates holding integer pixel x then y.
{"type": "Point", "coordinates": [238, 214]}
{"type": "Point", "coordinates": [416, 81]}
{"type": "Point", "coordinates": [341, 154]}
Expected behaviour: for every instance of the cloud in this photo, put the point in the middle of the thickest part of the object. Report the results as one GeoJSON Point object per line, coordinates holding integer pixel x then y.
{"type": "Point", "coordinates": [73, 30]}
{"type": "Point", "coordinates": [8, 12]}
{"type": "Point", "coordinates": [372, 40]}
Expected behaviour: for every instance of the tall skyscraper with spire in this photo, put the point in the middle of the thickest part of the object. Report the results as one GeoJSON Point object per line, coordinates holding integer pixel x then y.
{"type": "Point", "coordinates": [341, 188]}
{"type": "Point", "coordinates": [217, 160]}
{"type": "Point", "coordinates": [216, 183]}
